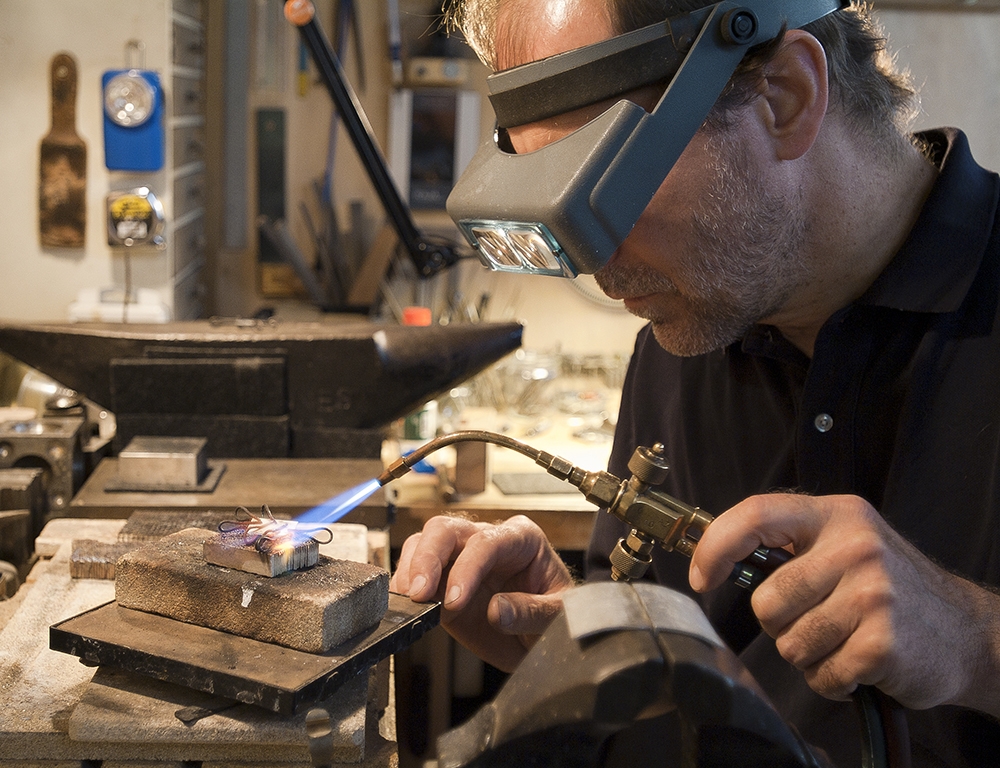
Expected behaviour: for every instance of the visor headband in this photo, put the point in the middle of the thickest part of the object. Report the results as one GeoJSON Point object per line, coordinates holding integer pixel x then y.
{"type": "Point", "coordinates": [584, 76]}
{"type": "Point", "coordinates": [605, 70]}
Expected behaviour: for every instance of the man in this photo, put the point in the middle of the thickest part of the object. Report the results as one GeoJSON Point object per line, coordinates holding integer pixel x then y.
{"type": "Point", "coordinates": [822, 296]}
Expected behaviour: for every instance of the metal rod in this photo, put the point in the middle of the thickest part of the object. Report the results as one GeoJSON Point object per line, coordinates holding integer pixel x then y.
{"type": "Point", "coordinates": [404, 464]}
{"type": "Point", "coordinates": [428, 259]}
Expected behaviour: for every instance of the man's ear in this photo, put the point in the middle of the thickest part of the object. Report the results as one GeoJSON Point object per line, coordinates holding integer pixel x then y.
{"type": "Point", "coordinates": [795, 94]}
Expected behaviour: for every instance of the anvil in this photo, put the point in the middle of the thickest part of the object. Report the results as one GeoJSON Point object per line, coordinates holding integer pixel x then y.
{"type": "Point", "coordinates": [298, 389]}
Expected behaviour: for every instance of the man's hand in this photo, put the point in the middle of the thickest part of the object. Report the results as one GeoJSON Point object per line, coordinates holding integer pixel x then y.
{"type": "Point", "coordinates": [500, 584]}
{"type": "Point", "coordinates": [858, 604]}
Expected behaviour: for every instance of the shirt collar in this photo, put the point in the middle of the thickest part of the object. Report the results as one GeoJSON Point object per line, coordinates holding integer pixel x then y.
{"type": "Point", "coordinates": [938, 262]}
{"type": "Point", "coordinates": [948, 240]}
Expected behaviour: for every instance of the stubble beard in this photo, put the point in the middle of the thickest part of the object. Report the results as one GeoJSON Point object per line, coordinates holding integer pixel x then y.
{"type": "Point", "coordinates": [743, 262]}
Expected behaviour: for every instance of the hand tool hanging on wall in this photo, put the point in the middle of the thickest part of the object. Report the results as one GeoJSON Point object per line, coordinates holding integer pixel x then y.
{"type": "Point", "coordinates": [62, 177]}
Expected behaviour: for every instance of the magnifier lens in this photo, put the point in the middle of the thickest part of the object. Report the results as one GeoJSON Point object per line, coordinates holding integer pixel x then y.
{"type": "Point", "coordinates": [532, 249]}
{"type": "Point", "coordinates": [496, 248]}
{"type": "Point", "coordinates": [518, 247]}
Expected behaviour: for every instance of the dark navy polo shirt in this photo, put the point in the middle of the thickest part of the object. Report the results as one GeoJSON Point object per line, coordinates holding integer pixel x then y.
{"type": "Point", "coordinates": [900, 404]}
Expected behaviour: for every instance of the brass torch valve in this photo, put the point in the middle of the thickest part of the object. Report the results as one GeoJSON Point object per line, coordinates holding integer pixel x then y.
{"type": "Point", "coordinates": [655, 517]}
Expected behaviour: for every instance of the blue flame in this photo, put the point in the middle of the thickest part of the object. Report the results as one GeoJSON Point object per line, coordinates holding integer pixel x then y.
{"type": "Point", "coordinates": [332, 510]}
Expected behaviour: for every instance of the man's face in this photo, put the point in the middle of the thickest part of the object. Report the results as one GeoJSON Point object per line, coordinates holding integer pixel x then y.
{"type": "Point", "coordinates": [715, 250]}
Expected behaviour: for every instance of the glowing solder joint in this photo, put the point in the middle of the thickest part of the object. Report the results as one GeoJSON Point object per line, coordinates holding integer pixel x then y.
{"type": "Point", "coordinates": [265, 545]}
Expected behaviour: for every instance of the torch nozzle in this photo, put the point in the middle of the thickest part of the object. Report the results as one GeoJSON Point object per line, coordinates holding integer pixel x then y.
{"type": "Point", "coordinates": [397, 469]}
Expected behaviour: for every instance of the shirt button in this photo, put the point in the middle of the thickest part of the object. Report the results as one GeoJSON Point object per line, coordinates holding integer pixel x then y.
{"type": "Point", "coordinates": [823, 422]}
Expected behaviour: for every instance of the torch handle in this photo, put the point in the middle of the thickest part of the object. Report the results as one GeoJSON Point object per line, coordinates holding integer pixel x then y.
{"type": "Point", "coordinates": [761, 563]}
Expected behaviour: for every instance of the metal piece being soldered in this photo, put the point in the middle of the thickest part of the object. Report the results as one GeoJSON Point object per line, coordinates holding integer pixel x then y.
{"type": "Point", "coordinates": [265, 545]}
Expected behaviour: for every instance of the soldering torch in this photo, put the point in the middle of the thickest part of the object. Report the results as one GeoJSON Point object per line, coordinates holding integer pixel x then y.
{"type": "Point", "coordinates": [655, 518]}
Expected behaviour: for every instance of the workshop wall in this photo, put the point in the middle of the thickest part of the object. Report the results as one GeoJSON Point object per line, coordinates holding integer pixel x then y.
{"type": "Point", "coordinates": [40, 282]}
{"type": "Point", "coordinates": [283, 80]}
{"type": "Point", "coordinates": [953, 55]}
{"type": "Point", "coordinates": [954, 58]}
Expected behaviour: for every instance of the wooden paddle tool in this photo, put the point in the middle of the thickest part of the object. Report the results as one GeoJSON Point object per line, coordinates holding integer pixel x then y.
{"type": "Point", "coordinates": [62, 179]}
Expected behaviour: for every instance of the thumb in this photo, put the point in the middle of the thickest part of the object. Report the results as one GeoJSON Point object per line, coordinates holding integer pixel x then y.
{"type": "Point", "coordinates": [519, 613]}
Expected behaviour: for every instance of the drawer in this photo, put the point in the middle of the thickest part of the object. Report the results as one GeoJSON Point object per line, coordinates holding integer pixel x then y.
{"type": "Point", "coordinates": [189, 193]}
{"type": "Point", "coordinates": [189, 297]}
{"type": "Point", "coordinates": [189, 244]}
{"type": "Point", "coordinates": [189, 144]}
{"type": "Point", "coordinates": [188, 96]}
{"type": "Point", "coordinates": [189, 46]}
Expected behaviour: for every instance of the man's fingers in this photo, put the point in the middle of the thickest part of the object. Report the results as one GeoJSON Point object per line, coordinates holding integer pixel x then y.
{"type": "Point", "coordinates": [798, 586]}
{"type": "Point", "coordinates": [858, 661]}
{"type": "Point", "coordinates": [469, 553]}
{"type": "Point", "coordinates": [731, 537]}
{"type": "Point", "coordinates": [425, 556]}
{"type": "Point", "coordinates": [494, 551]}
{"type": "Point", "coordinates": [517, 613]}
{"type": "Point", "coordinates": [771, 520]}
{"type": "Point", "coordinates": [400, 580]}
{"type": "Point", "coordinates": [815, 635]}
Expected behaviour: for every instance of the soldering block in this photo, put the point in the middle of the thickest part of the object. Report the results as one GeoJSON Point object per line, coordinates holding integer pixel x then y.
{"type": "Point", "coordinates": [311, 610]}
{"type": "Point", "coordinates": [229, 550]}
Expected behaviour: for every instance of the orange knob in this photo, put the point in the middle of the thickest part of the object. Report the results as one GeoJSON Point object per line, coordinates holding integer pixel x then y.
{"type": "Point", "coordinates": [299, 12]}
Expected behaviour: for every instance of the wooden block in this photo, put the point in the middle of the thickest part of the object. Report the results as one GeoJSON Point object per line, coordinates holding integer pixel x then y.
{"type": "Point", "coordinates": [65, 530]}
{"type": "Point", "coordinates": [121, 707]}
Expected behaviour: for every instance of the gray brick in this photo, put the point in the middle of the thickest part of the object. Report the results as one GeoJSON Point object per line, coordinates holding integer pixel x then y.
{"type": "Point", "coordinates": [310, 610]}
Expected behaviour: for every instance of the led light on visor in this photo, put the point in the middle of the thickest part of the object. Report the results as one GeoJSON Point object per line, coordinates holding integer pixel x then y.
{"type": "Point", "coordinates": [508, 246]}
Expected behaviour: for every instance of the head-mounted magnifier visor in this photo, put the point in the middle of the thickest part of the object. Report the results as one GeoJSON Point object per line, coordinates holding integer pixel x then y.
{"type": "Point", "coordinates": [564, 209]}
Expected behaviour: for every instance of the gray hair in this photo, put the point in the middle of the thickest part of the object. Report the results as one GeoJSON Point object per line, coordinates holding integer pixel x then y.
{"type": "Point", "coordinates": [865, 84]}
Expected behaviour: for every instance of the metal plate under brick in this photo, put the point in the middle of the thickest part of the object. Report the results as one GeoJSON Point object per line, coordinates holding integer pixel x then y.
{"type": "Point", "coordinates": [270, 676]}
